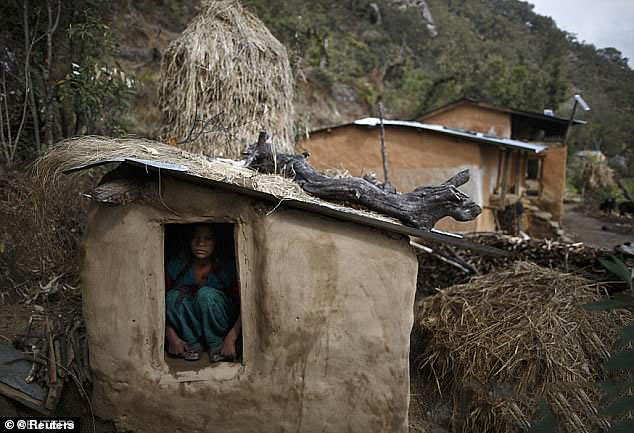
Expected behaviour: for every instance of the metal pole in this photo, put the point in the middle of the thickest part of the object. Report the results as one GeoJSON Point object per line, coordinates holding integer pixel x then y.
{"type": "Point", "coordinates": [383, 150]}
{"type": "Point", "coordinates": [572, 118]}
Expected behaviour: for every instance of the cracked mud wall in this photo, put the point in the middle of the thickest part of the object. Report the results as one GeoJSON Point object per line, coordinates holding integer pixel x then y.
{"type": "Point", "coordinates": [327, 312]}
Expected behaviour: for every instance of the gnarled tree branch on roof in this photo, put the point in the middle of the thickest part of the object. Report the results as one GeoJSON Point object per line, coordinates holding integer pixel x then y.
{"type": "Point", "coordinates": [421, 208]}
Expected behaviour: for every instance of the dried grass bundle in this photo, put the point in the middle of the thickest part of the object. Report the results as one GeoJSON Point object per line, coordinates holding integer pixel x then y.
{"type": "Point", "coordinates": [502, 341]}
{"type": "Point", "coordinates": [230, 73]}
{"type": "Point", "coordinates": [40, 232]}
{"type": "Point", "coordinates": [590, 172]}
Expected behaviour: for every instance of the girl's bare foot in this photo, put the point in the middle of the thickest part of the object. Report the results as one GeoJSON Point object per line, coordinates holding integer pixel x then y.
{"type": "Point", "coordinates": [175, 346]}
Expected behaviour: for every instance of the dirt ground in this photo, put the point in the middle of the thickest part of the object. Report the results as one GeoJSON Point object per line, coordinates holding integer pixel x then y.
{"type": "Point", "coordinates": [589, 225]}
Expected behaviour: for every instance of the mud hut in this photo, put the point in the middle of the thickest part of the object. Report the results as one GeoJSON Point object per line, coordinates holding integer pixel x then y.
{"type": "Point", "coordinates": [223, 80]}
{"type": "Point", "coordinates": [326, 291]}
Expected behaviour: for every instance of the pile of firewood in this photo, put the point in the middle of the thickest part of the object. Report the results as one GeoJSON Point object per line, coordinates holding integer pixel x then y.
{"type": "Point", "coordinates": [446, 266]}
{"type": "Point", "coordinates": [58, 351]}
{"type": "Point", "coordinates": [47, 345]}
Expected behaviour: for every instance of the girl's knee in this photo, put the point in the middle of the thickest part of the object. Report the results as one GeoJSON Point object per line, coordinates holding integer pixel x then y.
{"type": "Point", "coordinates": [171, 298]}
{"type": "Point", "coordinates": [207, 295]}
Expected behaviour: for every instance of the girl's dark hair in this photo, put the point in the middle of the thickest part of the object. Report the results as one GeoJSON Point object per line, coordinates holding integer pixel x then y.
{"type": "Point", "coordinates": [179, 236]}
{"type": "Point", "coordinates": [192, 230]}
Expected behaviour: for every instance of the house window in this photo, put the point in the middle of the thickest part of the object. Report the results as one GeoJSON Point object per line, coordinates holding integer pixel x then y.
{"type": "Point", "coordinates": [202, 296]}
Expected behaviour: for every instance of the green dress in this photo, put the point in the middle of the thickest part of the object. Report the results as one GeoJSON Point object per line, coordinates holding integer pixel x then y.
{"type": "Point", "coordinates": [201, 314]}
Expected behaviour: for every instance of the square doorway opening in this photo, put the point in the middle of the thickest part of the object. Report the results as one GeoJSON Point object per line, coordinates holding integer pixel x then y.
{"type": "Point", "coordinates": [202, 296]}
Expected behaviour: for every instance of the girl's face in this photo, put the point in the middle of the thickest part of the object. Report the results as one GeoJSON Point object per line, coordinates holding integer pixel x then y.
{"type": "Point", "coordinates": [203, 242]}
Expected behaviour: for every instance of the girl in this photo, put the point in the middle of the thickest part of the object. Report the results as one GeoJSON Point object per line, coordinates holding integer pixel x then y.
{"type": "Point", "coordinates": [202, 302]}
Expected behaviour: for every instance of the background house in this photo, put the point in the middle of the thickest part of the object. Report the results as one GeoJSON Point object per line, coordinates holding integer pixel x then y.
{"type": "Point", "coordinates": [511, 154]}
{"type": "Point", "coordinates": [543, 175]}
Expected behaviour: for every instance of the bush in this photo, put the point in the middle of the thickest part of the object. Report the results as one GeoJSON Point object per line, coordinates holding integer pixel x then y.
{"type": "Point", "coordinates": [42, 228]}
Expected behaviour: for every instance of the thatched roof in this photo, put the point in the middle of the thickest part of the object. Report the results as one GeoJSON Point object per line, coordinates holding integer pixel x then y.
{"type": "Point", "coordinates": [505, 340]}
{"type": "Point", "coordinates": [90, 151]}
{"type": "Point", "coordinates": [228, 74]}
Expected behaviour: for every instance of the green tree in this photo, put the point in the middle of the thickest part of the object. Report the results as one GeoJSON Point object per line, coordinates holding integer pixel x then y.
{"type": "Point", "coordinates": [56, 75]}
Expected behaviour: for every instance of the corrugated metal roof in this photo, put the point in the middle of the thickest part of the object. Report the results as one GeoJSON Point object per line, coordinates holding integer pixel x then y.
{"type": "Point", "coordinates": [515, 111]}
{"type": "Point", "coordinates": [455, 132]}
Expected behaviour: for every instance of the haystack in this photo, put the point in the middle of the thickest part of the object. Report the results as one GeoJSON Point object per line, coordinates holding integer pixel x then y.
{"type": "Point", "coordinates": [590, 172]}
{"type": "Point", "coordinates": [502, 342]}
{"type": "Point", "coordinates": [225, 79]}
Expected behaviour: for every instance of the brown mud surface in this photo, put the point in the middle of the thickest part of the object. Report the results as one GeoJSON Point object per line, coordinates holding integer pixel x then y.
{"type": "Point", "coordinates": [584, 223]}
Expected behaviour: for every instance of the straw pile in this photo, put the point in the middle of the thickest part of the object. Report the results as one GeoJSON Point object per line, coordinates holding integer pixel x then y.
{"type": "Point", "coordinates": [589, 172]}
{"type": "Point", "coordinates": [226, 74]}
{"type": "Point", "coordinates": [40, 232]}
{"type": "Point", "coordinates": [505, 340]}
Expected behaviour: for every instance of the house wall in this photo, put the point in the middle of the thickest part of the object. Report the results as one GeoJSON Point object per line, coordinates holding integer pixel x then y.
{"type": "Point", "coordinates": [499, 123]}
{"type": "Point", "coordinates": [554, 181]}
{"type": "Point", "coordinates": [415, 158]}
{"type": "Point", "coordinates": [473, 118]}
{"type": "Point", "coordinates": [327, 310]}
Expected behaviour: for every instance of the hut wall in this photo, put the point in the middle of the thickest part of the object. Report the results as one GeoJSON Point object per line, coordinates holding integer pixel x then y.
{"type": "Point", "coordinates": [473, 118]}
{"type": "Point", "coordinates": [327, 309]}
{"type": "Point", "coordinates": [415, 158]}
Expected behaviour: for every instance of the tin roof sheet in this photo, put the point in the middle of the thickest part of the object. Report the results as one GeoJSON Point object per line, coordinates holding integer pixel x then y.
{"type": "Point", "coordinates": [455, 132]}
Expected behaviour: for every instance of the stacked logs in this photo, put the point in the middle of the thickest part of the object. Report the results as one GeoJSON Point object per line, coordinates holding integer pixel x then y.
{"type": "Point", "coordinates": [448, 265]}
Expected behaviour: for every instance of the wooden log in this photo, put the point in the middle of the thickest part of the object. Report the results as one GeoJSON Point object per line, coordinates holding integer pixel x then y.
{"type": "Point", "coordinates": [117, 192]}
{"type": "Point", "coordinates": [124, 185]}
{"type": "Point", "coordinates": [420, 208]}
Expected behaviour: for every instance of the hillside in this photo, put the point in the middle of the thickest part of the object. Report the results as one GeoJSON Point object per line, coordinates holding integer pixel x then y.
{"type": "Point", "coordinates": [415, 55]}
{"type": "Point", "coordinates": [346, 56]}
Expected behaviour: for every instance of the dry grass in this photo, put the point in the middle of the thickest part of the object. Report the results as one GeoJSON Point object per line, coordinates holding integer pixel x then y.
{"type": "Point", "coordinates": [90, 149]}
{"type": "Point", "coordinates": [592, 174]}
{"type": "Point", "coordinates": [503, 341]}
{"type": "Point", "coordinates": [227, 69]}
{"type": "Point", "coordinates": [40, 232]}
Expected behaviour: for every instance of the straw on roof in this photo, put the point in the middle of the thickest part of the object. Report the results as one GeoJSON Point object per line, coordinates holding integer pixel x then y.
{"type": "Point", "coordinates": [503, 341]}
{"type": "Point", "coordinates": [230, 73]}
{"type": "Point", "coordinates": [80, 151]}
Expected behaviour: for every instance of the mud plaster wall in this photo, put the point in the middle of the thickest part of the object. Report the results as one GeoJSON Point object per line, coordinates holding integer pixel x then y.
{"type": "Point", "coordinates": [473, 118]}
{"type": "Point", "coordinates": [554, 181]}
{"type": "Point", "coordinates": [415, 158]}
{"type": "Point", "coordinates": [327, 312]}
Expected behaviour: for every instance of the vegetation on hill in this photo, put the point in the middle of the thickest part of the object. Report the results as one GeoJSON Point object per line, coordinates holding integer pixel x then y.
{"type": "Point", "coordinates": [346, 56]}
{"type": "Point", "coordinates": [495, 50]}
{"type": "Point", "coordinates": [58, 76]}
